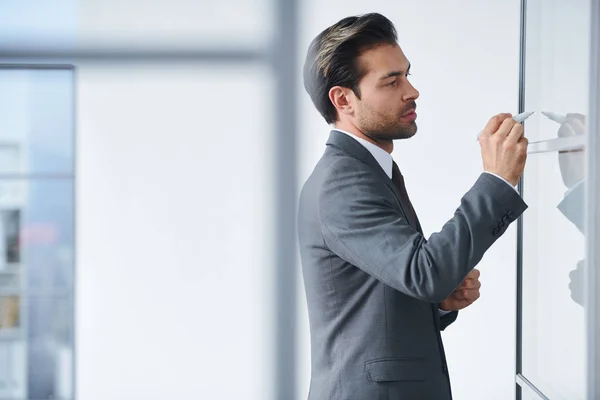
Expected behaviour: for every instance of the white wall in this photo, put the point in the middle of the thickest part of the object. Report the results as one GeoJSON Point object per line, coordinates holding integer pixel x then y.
{"type": "Point", "coordinates": [465, 63]}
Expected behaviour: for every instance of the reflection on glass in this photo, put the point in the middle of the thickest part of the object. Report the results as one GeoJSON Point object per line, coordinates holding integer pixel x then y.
{"type": "Point", "coordinates": [553, 250]}
{"type": "Point", "coordinates": [572, 170]}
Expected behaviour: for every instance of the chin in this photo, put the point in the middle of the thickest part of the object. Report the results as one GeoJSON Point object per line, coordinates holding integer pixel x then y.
{"type": "Point", "coordinates": [406, 133]}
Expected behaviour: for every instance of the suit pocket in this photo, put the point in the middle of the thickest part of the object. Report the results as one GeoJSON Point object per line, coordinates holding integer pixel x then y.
{"type": "Point", "coordinates": [396, 370]}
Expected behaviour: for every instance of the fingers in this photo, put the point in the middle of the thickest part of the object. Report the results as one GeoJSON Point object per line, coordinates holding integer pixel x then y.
{"type": "Point", "coordinates": [494, 123]}
{"type": "Point", "coordinates": [522, 147]}
{"type": "Point", "coordinates": [469, 295]}
{"type": "Point", "coordinates": [469, 284]}
{"type": "Point", "coordinates": [515, 134]}
{"type": "Point", "coordinates": [471, 281]}
{"type": "Point", "coordinates": [505, 127]}
{"type": "Point", "coordinates": [474, 274]}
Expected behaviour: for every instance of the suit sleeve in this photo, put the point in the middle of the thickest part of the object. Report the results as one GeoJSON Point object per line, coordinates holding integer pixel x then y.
{"type": "Point", "coordinates": [447, 319]}
{"type": "Point", "coordinates": [362, 225]}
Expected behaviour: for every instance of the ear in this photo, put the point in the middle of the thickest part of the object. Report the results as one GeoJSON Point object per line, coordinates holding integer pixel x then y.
{"type": "Point", "coordinates": [343, 99]}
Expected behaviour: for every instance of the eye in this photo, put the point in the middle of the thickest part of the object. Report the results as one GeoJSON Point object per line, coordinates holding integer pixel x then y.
{"type": "Point", "coordinates": [392, 83]}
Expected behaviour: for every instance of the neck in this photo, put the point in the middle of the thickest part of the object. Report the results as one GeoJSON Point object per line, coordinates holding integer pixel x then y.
{"type": "Point", "coordinates": [387, 145]}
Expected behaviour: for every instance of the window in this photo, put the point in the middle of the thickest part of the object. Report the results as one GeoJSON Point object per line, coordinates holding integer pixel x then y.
{"type": "Point", "coordinates": [36, 233]}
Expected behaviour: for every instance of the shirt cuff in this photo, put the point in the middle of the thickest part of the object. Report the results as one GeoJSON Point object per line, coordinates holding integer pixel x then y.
{"type": "Point", "coordinates": [443, 312]}
{"type": "Point", "coordinates": [504, 180]}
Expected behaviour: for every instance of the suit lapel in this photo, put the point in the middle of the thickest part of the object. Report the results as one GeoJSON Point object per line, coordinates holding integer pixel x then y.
{"type": "Point", "coordinates": [356, 150]}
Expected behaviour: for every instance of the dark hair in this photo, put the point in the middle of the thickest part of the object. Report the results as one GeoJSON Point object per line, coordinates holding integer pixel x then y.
{"type": "Point", "coordinates": [332, 57]}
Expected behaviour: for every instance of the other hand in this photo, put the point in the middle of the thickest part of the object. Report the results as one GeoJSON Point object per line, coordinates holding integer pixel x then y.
{"type": "Point", "coordinates": [465, 294]}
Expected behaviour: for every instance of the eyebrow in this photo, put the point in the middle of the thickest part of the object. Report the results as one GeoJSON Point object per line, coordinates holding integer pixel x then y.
{"type": "Point", "coordinates": [394, 73]}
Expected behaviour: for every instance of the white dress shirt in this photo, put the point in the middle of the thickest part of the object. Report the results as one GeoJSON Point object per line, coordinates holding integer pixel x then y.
{"type": "Point", "coordinates": [385, 161]}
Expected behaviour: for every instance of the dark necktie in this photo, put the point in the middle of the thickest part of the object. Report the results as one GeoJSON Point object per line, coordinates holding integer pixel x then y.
{"type": "Point", "coordinates": [398, 181]}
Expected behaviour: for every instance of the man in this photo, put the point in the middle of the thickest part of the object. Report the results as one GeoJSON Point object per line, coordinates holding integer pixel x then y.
{"type": "Point", "coordinates": [378, 291]}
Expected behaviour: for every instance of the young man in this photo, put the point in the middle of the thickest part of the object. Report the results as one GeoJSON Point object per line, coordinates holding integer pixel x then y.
{"type": "Point", "coordinates": [378, 291]}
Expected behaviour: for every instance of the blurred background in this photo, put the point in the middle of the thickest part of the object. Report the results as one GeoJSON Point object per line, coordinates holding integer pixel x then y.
{"type": "Point", "coordinates": [151, 154]}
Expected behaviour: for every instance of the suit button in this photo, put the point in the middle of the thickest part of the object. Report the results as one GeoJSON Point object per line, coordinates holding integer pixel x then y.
{"type": "Point", "coordinates": [445, 368]}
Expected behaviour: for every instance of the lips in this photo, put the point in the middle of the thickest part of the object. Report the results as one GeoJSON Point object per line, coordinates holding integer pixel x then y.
{"type": "Point", "coordinates": [411, 115]}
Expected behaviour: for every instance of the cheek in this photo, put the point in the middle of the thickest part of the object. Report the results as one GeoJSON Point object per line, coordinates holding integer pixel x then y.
{"type": "Point", "coordinates": [382, 103]}
{"type": "Point", "coordinates": [391, 100]}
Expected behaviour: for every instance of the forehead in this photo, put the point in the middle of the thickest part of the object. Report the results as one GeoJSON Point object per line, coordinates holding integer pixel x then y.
{"type": "Point", "coordinates": [383, 59]}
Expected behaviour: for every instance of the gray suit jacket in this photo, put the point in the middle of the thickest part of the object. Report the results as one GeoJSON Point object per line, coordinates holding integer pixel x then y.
{"type": "Point", "coordinates": [373, 282]}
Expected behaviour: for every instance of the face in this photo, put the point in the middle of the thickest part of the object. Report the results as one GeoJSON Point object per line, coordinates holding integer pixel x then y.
{"type": "Point", "coordinates": [386, 108]}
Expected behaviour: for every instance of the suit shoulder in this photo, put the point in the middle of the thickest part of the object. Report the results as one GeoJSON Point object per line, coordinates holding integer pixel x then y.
{"type": "Point", "coordinates": [340, 166]}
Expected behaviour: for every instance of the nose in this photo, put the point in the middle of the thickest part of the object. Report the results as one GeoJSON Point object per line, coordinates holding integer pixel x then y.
{"type": "Point", "coordinates": [411, 93]}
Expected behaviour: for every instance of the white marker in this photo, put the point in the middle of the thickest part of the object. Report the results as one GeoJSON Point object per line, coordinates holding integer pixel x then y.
{"type": "Point", "coordinates": [517, 118]}
{"type": "Point", "coordinates": [555, 117]}
{"type": "Point", "coordinates": [523, 116]}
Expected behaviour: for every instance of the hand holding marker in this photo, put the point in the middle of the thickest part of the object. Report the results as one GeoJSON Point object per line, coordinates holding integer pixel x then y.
{"type": "Point", "coordinates": [518, 118]}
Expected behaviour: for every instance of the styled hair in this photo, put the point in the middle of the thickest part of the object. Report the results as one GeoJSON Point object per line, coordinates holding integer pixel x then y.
{"type": "Point", "coordinates": [332, 57]}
